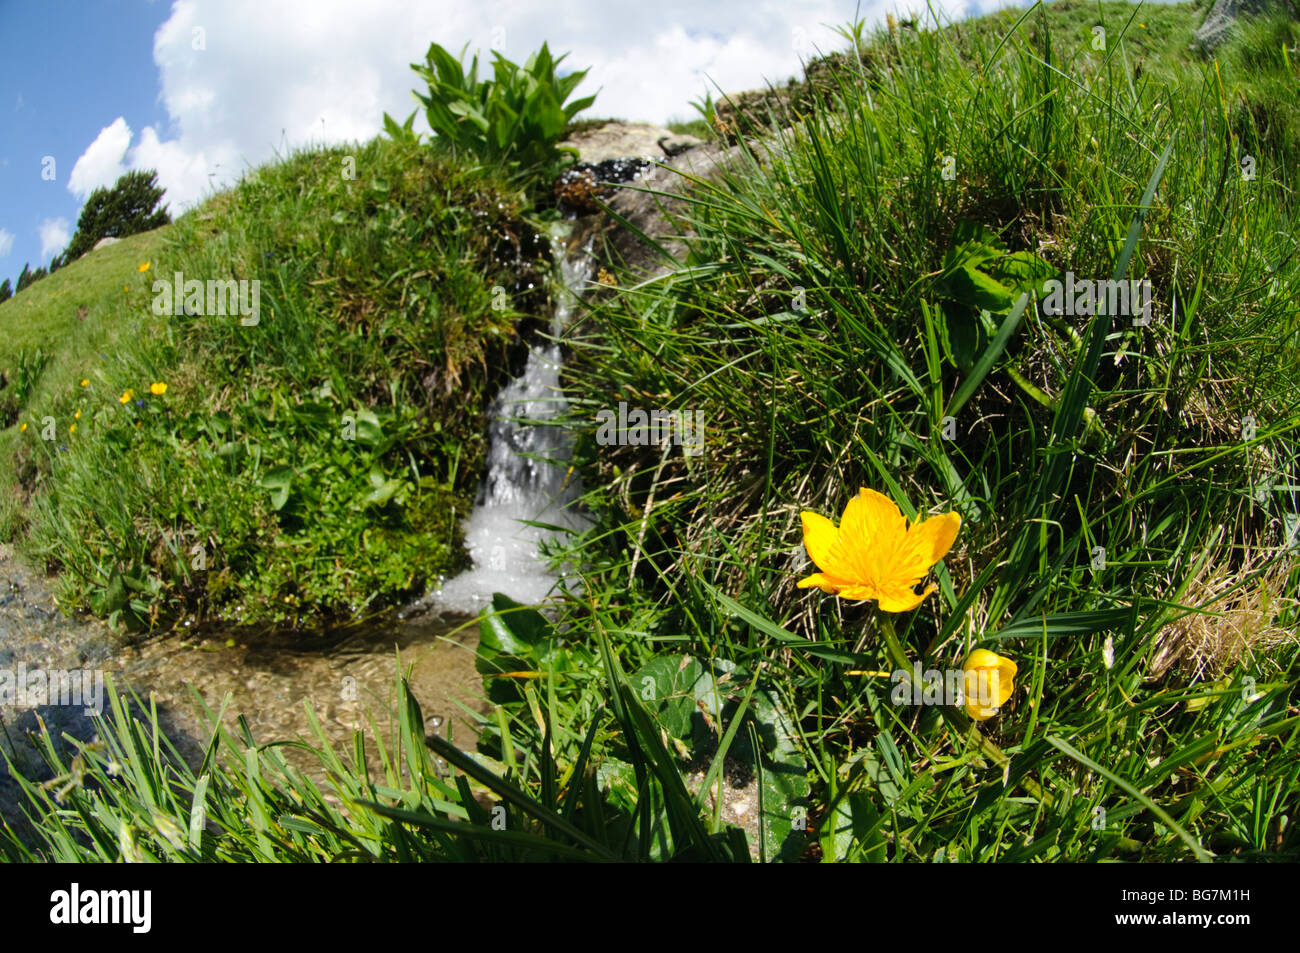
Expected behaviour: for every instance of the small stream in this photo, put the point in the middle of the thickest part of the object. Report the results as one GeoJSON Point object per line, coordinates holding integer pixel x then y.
{"type": "Point", "coordinates": [347, 675]}
{"type": "Point", "coordinates": [528, 495]}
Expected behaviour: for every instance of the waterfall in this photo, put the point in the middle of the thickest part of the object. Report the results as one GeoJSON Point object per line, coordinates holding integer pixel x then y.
{"type": "Point", "coordinates": [529, 480]}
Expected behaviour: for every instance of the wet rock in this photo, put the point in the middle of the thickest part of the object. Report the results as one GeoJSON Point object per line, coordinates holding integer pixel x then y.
{"type": "Point", "coordinates": [583, 187]}
{"type": "Point", "coordinates": [651, 205]}
{"type": "Point", "coordinates": [578, 191]}
{"type": "Point", "coordinates": [675, 145]}
{"type": "Point", "coordinates": [655, 202]}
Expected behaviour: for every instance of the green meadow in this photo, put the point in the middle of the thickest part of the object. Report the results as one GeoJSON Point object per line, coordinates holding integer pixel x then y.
{"type": "Point", "coordinates": [859, 299]}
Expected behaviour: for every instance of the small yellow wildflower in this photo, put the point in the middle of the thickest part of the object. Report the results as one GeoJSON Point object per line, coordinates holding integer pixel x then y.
{"type": "Point", "coordinates": [143, 268]}
{"type": "Point", "coordinates": [126, 396]}
{"type": "Point", "coordinates": [22, 428]}
{"type": "Point", "coordinates": [989, 678]}
{"type": "Point", "coordinates": [874, 554]}
{"type": "Point", "coordinates": [125, 288]}
{"type": "Point", "coordinates": [158, 388]}
{"type": "Point", "coordinates": [72, 429]}
{"type": "Point", "coordinates": [85, 382]}
{"type": "Point", "coordinates": [77, 415]}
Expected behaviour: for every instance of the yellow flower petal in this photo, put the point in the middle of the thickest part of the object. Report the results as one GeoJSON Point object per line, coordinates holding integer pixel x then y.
{"type": "Point", "coordinates": [126, 396]}
{"type": "Point", "coordinates": [158, 388]}
{"type": "Point", "coordinates": [934, 537]}
{"type": "Point", "coordinates": [820, 537]}
{"type": "Point", "coordinates": [904, 598]}
{"type": "Point", "coordinates": [822, 581]}
{"type": "Point", "coordinates": [143, 268]}
{"type": "Point", "coordinates": [85, 381]}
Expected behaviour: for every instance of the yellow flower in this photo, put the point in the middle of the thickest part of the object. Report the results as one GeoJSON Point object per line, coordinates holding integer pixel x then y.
{"type": "Point", "coordinates": [22, 428]}
{"type": "Point", "coordinates": [143, 268]}
{"type": "Point", "coordinates": [77, 415]}
{"type": "Point", "coordinates": [990, 678]}
{"type": "Point", "coordinates": [874, 554]}
{"type": "Point", "coordinates": [126, 396]}
{"type": "Point", "coordinates": [158, 388]}
{"type": "Point", "coordinates": [125, 288]}
{"type": "Point", "coordinates": [72, 429]}
{"type": "Point", "coordinates": [85, 382]}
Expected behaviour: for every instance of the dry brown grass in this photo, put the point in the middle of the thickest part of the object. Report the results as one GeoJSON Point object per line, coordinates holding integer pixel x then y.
{"type": "Point", "coordinates": [1235, 619]}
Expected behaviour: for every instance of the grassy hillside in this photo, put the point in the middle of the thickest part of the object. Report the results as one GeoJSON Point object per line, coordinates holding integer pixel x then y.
{"type": "Point", "coordinates": [850, 316]}
{"type": "Point", "coordinates": [293, 469]}
{"type": "Point", "coordinates": [866, 305]}
{"type": "Point", "coordinates": [75, 319]}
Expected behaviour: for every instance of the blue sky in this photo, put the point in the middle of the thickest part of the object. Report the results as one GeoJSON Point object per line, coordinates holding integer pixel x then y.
{"type": "Point", "coordinates": [104, 52]}
{"type": "Point", "coordinates": [202, 89]}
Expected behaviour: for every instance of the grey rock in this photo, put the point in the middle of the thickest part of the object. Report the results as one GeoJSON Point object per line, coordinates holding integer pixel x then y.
{"type": "Point", "coordinates": [651, 203]}
{"type": "Point", "coordinates": [1221, 19]}
{"type": "Point", "coordinates": [618, 140]}
{"type": "Point", "coordinates": [105, 242]}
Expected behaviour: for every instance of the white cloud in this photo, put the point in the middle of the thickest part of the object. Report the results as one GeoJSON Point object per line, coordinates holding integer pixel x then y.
{"type": "Point", "coordinates": [102, 162]}
{"type": "Point", "coordinates": [6, 242]}
{"type": "Point", "coordinates": [184, 174]}
{"type": "Point", "coordinates": [273, 77]}
{"type": "Point", "coordinates": [55, 235]}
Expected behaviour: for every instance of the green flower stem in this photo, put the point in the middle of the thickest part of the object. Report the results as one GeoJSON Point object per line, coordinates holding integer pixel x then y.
{"type": "Point", "coordinates": [973, 734]}
{"type": "Point", "coordinates": [895, 648]}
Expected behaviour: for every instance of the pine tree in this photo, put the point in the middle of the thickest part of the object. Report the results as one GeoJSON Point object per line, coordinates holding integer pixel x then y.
{"type": "Point", "coordinates": [6, 292]}
{"type": "Point", "coordinates": [129, 207]}
{"type": "Point", "coordinates": [24, 278]}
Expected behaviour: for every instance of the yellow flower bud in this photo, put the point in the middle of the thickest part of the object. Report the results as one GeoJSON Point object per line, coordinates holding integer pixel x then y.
{"type": "Point", "coordinates": [990, 680]}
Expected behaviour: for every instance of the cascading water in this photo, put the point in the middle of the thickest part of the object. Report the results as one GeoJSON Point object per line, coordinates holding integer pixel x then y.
{"type": "Point", "coordinates": [529, 480]}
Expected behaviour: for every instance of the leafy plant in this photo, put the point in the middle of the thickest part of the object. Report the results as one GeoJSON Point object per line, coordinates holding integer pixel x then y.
{"type": "Point", "coordinates": [405, 133]}
{"type": "Point", "coordinates": [980, 280]}
{"type": "Point", "coordinates": [514, 118]}
{"type": "Point", "coordinates": [15, 391]}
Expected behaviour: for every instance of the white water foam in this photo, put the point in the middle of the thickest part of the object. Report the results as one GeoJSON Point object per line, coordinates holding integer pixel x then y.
{"type": "Point", "coordinates": [528, 479]}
